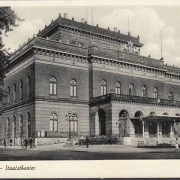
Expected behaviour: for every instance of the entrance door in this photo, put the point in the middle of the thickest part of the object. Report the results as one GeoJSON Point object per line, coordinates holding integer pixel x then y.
{"type": "Point", "coordinates": [102, 122]}
{"type": "Point", "coordinates": [152, 128]}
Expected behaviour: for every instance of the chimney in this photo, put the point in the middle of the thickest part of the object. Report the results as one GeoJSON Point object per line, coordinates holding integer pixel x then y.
{"type": "Point", "coordinates": [59, 14]}
{"type": "Point", "coordinates": [73, 19]}
{"type": "Point", "coordinates": [108, 28]}
{"type": "Point", "coordinates": [82, 20]}
{"type": "Point", "coordinates": [52, 21]}
{"type": "Point", "coordinates": [85, 22]}
{"type": "Point", "coordinates": [115, 29]}
{"type": "Point", "coordinates": [129, 33]}
{"type": "Point", "coordinates": [65, 15]}
{"type": "Point", "coordinates": [97, 25]}
{"type": "Point", "coordinates": [119, 31]}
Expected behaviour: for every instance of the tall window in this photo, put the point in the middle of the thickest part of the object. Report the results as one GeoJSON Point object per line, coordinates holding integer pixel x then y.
{"type": "Point", "coordinates": [29, 125]}
{"type": "Point", "coordinates": [131, 90]}
{"type": "Point", "coordinates": [14, 92]}
{"type": "Point", "coordinates": [118, 88]}
{"type": "Point", "coordinates": [21, 89]}
{"type": "Point", "coordinates": [14, 121]}
{"type": "Point", "coordinates": [155, 93]}
{"type": "Point", "coordinates": [53, 86]}
{"type": "Point", "coordinates": [170, 96]}
{"type": "Point", "coordinates": [74, 125]}
{"type": "Point", "coordinates": [73, 88]}
{"type": "Point", "coordinates": [8, 128]}
{"type": "Point", "coordinates": [28, 86]}
{"type": "Point", "coordinates": [53, 122]}
{"type": "Point", "coordinates": [144, 91]}
{"type": "Point", "coordinates": [103, 87]}
{"type": "Point", "coordinates": [8, 95]}
{"type": "Point", "coordinates": [21, 125]}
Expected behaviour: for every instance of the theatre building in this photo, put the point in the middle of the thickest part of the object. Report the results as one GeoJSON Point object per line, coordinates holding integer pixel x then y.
{"type": "Point", "coordinates": [75, 79]}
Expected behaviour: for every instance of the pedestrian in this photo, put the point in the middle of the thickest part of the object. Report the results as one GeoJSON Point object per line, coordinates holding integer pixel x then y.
{"type": "Point", "coordinates": [25, 142]}
{"type": "Point", "coordinates": [10, 142]}
{"type": "Point", "coordinates": [176, 146]}
{"type": "Point", "coordinates": [31, 143]}
{"type": "Point", "coordinates": [87, 141]}
{"type": "Point", "coordinates": [4, 142]}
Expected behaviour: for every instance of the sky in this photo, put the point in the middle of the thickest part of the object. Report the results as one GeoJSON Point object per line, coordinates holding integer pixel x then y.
{"type": "Point", "coordinates": [149, 22]}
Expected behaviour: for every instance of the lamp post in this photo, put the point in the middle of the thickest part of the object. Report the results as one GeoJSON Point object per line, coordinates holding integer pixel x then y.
{"type": "Point", "coordinates": [69, 117]}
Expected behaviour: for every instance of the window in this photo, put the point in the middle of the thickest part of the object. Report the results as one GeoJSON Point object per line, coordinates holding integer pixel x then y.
{"type": "Point", "coordinates": [8, 95]}
{"type": "Point", "coordinates": [74, 124]}
{"type": "Point", "coordinates": [73, 88]}
{"type": "Point", "coordinates": [14, 121]}
{"type": "Point", "coordinates": [103, 87]}
{"type": "Point", "coordinates": [14, 92]}
{"type": "Point", "coordinates": [28, 86]}
{"type": "Point", "coordinates": [21, 125]}
{"type": "Point", "coordinates": [8, 128]}
{"type": "Point", "coordinates": [155, 93]}
{"type": "Point", "coordinates": [29, 125]}
{"type": "Point", "coordinates": [144, 91]}
{"type": "Point", "coordinates": [118, 88]}
{"type": "Point", "coordinates": [170, 96]}
{"type": "Point", "coordinates": [53, 122]}
{"type": "Point", "coordinates": [21, 89]}
{"type": "Point", "coordinates": [131, 90]}
{"type": "Point", "coordinates": [53, 86]}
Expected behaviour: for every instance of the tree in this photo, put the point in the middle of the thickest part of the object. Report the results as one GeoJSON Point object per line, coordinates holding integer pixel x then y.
{"type": "Point", "coordinates": [8, 20]}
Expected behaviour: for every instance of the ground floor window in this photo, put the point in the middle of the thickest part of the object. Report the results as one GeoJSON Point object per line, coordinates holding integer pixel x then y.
{"type": "Point", "coordinates": [53, 122]}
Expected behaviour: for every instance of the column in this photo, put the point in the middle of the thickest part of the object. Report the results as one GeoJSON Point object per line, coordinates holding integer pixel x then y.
{"type": "Point", "coordinates": [171, 130]}
{"type": "Point", "coordinates": [143, 129]}
{"type": "Point", "coordinates": [157, 132]}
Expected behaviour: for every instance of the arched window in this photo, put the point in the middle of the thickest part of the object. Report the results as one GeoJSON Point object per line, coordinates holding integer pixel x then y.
{"type": "Point", "coordinates": [53, 122]}
{"type": "Point", "coordinates": [118, 88]}
{"type": "Point", "coordinates": [131, 90]}
{"type": "Point", "coordinates": [155, 93]}
{"type": "Point", "coordinates": [74, 124]}
{"type": "Point", "coordinates": [73, 88]}
{"type": "Point", "coordinates": [144, 91]}
{"type": "Point", "coordinates": [14, 92]}
{"type": "Point", "coordinates": [21, 89]}
{"type": "Point", "coordinates": [170, 96]}
{"type": "Point", "coordinates": [103, 87]}
{"type": "Point", "coordinates": [53, 86]}
{"type": "Point", "coordinates": [28, 86]}
{"type": "Point", "coordinates": [8, 95]}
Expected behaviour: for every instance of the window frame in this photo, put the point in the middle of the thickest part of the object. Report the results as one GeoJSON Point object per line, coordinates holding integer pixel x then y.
{"type": "Point", "coordinates": [73, 88]}
{"type": "Point", "coordinates": [103, 87]}
{"type": "Point", "coordinates": [53, 86]}
{"type": "Point", "coordinates": [118, 88]}
{"type": "Point", "coordinates": [53, 119]}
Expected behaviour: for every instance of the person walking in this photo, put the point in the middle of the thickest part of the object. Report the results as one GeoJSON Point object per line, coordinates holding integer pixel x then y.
{"type": "Point", "coordinates": [10, 142]}
{"type": "Point", "coordinates": [4, 142]}
{"type": "Point", "coordinates": [176, 145]}
{"type": "Point", "coordinates": [87, 141]}
{"type": "Point", "coordinates": [25, 142]}
{"type": "Point", "coordinates": [31, 143]}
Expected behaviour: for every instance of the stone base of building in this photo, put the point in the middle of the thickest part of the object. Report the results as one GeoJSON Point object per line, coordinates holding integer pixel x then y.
{"type": "Point", "coordinates": [126, 140]}
{"type": "Point", "coordinates": [40, 141]}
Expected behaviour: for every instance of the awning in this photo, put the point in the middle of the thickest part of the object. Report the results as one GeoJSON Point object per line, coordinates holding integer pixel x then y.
{"type": "Point", "coordinates": [162, 118]}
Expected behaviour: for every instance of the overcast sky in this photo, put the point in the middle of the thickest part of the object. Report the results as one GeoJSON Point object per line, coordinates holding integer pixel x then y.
{"type": "Point", "coordinates": [146, 21]}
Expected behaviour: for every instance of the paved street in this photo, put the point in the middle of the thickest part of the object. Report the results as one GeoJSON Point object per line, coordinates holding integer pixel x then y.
{"type": "Point", "coordinates": [94, 152]}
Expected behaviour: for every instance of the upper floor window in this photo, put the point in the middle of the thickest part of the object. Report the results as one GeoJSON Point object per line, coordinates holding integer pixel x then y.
{"type": "Point", "coordinates": [155, 93]}
{"type": "Point", "coordinates": [103, 87]}
{"type": "Point", "coordinates": [21, 89]}
{"type": "Point", "coordinates": [170, 96]}
{"type": "Point", "coordinates": [53, 122]}
{"type": "Point", "coordinates": [8, 95]}
{"type": "Point", "coordinates": [118, 88]}
{"type": "Point", "coordinates": [73, 88]}
{"type": "Point", "coordinates": [131, 90]}
{"type": "Point", "coordinates": [14, 92]}
{"type": "Point", "coordinates": [28, 86]}
{"type": "Point", "coordinates": [144, 91]}
{"type": "Point", "coordinates": [53, 86]}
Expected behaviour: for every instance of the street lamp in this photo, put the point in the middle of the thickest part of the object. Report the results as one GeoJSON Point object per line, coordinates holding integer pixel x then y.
{"type": "Point", "coordinates": [69, 117]}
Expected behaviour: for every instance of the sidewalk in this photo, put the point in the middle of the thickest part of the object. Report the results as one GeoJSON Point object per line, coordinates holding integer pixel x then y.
{"type": "Point", "coordinates": [93, 148]}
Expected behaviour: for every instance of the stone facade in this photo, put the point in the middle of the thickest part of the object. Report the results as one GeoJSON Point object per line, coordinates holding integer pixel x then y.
{"type": "Point", "coordinates": [68, 51]}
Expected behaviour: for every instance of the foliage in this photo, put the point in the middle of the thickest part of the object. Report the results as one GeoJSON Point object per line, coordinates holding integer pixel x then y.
{"type": "Point", "coordinates": [8, 20]}
{"type": "Point", "coordinates": [100, 140]}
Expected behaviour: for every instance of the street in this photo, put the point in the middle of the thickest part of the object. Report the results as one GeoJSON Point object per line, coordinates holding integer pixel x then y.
{"type": "Point", "coordinates": [94, 152]}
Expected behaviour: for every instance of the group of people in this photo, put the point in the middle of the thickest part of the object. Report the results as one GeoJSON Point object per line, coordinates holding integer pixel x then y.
{"type": "Point", "coordinates": [31, 143]}
{"type": "Point", "coordinates": [5, 143]}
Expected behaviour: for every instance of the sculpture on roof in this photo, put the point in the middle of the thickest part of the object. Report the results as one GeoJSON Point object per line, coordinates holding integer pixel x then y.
{"type": "Point", "coordinates": [129, 47]}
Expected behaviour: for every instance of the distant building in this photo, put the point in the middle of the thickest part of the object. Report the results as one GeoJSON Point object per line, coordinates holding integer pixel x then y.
{"type": "Point", "coordinates": [75, 79]}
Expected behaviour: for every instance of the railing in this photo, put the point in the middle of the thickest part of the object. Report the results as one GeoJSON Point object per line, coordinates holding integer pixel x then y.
{"type": "Point", "coordinates": [137, 99]}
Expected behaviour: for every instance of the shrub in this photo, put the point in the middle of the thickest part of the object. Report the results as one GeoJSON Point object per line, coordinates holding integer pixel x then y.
{"type": "Point", "coordinates": [99, 140]}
